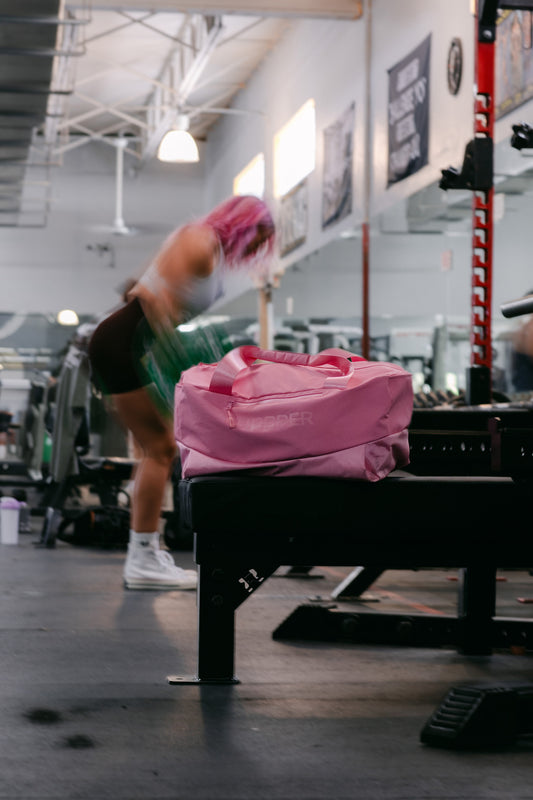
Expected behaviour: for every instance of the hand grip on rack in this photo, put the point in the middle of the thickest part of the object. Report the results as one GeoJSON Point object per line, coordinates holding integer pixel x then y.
{"type": "Point", "coordinates": [516, 308]}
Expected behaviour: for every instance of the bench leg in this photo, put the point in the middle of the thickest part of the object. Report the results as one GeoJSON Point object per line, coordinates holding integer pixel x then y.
{"type": "Point", "coordinates": [220, 591]}
{"type": "Point", "coordinates": [216, 625]}
{"type": "Point", "coordinates": [357, 582]}
{"type": "Point", "coordinates": [476, 610]}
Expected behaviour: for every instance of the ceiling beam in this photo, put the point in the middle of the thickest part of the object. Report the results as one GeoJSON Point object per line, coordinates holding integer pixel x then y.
{"type": "Point", "coordinates": [332, 9]}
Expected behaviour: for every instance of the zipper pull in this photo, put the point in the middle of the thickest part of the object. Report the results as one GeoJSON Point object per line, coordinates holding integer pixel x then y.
{"type": "Point", "coordinates": [231, 419]}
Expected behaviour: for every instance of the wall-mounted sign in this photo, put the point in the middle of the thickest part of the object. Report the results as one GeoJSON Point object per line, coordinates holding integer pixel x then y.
{"type": "Point", "coordinates": [409, 113]}
{"type": "Point", "coordinates": [338, 166]}
{"type": "Point", "coordinates": [455, 66]}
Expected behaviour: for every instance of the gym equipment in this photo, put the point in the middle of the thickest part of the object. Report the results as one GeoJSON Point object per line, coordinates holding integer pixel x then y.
{"type": "Point", "coordinates": [481, 715]}
{"type": "Point", "coordinates": [516, 308]}
{"type": "Point", "coordinates": [246, 527]}
{"type": "Point", "coordinates": [522, 136]}
{"type": "Point", "coordinates": [22, 443]}
{"type": "Point", "coordinates": [477, 174]}
{"type": "Point", "coordinates": [70, 462]}
{"type": "Point", "coordinates": [34, 428]}
{"type": "Point", "coordinates": [472, 440]}
{"type": "Point", "coordinates": [97, 526]}
{"type": "Point", "coordinates": [476, 171]}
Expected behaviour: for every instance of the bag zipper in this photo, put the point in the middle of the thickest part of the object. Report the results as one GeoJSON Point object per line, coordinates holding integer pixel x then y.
{"type": "Point", "coordinates": [231, 419]}
{"type": "Point", "coordinates": [232, 422]}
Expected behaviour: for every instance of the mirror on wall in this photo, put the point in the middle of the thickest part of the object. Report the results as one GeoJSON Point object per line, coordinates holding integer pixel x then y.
{"type": "Point", "coordinates": [30, 342]}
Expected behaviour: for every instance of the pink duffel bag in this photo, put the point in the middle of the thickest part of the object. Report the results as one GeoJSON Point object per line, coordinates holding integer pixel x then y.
{"type": "Point", "coordinates": [272, 412]}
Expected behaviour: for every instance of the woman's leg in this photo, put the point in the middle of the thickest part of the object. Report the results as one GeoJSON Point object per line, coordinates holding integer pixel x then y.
{"type": "Point", "coordinates": [114, 355]}
{"type": "Point", "coordinates": [155, 438]}
{"type": "Point", "coordinates": [146, 566]}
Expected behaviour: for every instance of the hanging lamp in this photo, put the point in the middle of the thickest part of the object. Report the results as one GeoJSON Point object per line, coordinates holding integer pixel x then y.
{"type": "Point", "coordinates": [177, 145]}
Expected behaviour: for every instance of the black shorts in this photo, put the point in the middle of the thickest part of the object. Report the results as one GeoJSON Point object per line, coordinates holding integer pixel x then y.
{"type": "Point", "coordinates": [116, 349]}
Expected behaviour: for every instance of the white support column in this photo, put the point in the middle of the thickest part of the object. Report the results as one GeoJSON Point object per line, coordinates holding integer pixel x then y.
{"type": "Point", "coordinates": [266, 317]}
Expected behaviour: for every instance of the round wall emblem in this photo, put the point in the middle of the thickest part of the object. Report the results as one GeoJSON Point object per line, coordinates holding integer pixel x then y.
{"type": "Point", "coordinates": [455, 65]}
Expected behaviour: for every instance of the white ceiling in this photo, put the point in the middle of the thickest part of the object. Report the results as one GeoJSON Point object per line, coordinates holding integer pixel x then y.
{"type": "Point", "coordinates": [72, 71]}
{"type": "Point", "coordinates": [137, 68]}
{"type": "Point", "coordinates": [132, 68]}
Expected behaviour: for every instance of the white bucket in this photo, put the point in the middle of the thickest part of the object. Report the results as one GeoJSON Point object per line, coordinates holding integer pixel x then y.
{"type": "Point", "coordinates": [9, 520]}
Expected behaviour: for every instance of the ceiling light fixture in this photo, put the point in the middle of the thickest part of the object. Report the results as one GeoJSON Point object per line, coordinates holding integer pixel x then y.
{"type": "Point", "coordinates": [67, 317]}
{"type": "Point", "coordinates": [177, 145]}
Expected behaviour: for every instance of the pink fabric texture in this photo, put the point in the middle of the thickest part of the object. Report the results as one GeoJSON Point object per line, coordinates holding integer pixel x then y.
{"type": "Point", "coordinates": [282, 413]}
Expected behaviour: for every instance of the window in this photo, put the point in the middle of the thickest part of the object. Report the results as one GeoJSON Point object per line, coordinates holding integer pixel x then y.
{"type": "Point", "coordinates": [251, 180]}
{"type": "Point", "coordinates": [295, 149]}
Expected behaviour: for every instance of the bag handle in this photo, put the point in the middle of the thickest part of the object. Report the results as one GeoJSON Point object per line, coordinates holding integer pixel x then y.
{"type": "Point", "coordinates": [339, 351]}
{"type": "Point", "coordinates": [239, 358]}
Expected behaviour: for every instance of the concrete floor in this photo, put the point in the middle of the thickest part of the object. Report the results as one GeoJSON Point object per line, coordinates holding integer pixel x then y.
{"type": "Point", "coordinates": [87, 712]}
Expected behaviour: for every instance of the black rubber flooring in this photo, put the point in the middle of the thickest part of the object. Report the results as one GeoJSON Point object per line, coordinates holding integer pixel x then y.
{"type": "Point", "coordinates": [87, 712]}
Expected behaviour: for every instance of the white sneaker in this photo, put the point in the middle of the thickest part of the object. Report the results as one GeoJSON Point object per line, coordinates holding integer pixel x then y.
{"type": "Point", "coordinates": [150, 568]}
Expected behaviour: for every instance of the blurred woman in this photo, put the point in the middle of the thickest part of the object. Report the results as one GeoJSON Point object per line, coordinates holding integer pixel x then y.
{"type": "Point", "coordinates": [184, 279]}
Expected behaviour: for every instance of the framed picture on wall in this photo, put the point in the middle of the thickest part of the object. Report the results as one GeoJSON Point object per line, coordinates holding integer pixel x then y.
{"type": "Point", "coordinates": [292, 223]}
{"type": "Point", "coordinates": [338, 166]}
{"type": "Point", "coordinates": [514, 61]}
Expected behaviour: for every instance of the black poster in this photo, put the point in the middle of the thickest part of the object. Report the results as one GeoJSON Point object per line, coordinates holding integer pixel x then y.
{"type": "Point", "coordinates": [409, 113]}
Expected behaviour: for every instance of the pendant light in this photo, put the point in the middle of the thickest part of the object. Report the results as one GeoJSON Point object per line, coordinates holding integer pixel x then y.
{"type": "Point", "coordinates": [177, 145]}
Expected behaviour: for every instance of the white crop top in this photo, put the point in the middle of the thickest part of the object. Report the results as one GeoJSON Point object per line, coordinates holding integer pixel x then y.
{"type": "Point", "coordinates": [196, 296]}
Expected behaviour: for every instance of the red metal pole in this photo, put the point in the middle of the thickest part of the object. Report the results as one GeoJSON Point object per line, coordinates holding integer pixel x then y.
{"type": "Point", "coordinates": [482, 222]}
{"type": "Point", "coordinates": [365, 342]}
{"type": "Point", "coordinates": [365, 228]}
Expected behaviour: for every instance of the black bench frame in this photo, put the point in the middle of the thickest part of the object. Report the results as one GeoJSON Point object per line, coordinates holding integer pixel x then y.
{"type": "Point", "coordinates": [245, 527]}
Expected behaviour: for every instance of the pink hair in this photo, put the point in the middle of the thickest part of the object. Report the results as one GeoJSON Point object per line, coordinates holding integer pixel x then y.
{"type": "Point", "coordinates": [236, 222]}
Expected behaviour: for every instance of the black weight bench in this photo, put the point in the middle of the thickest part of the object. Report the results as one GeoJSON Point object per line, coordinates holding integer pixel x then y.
{"type": "Point", "coordinates": [245, 527]}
